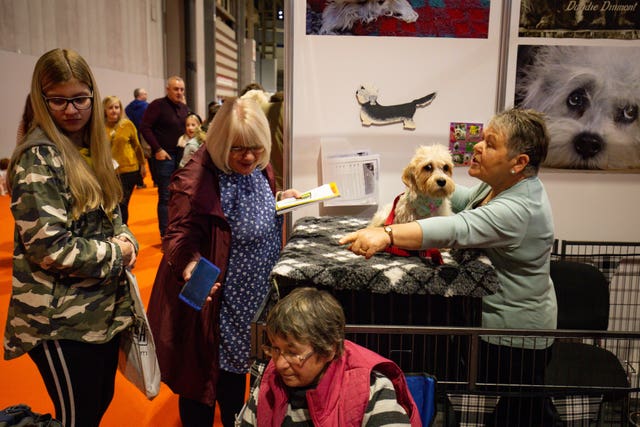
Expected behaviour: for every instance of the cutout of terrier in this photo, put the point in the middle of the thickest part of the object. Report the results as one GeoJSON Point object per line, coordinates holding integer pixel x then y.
{"type": "Point", "coordinates": [371, 112]}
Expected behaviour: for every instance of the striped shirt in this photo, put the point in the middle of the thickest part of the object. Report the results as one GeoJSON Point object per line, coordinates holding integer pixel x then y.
{"type": "Point", "coordinates": [383, 408]}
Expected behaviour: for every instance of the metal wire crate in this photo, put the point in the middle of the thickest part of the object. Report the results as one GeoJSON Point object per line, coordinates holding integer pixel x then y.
{"type": "Point", "coordinates": [439, 339]}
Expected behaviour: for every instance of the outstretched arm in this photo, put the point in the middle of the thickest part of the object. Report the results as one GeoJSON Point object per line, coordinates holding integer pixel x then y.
{"type": "Point", "coordinates": [368, 241]}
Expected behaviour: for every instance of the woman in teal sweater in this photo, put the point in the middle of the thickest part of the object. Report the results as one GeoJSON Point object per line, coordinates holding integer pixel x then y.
{"type": "Point", "coordinates": [509, 216]}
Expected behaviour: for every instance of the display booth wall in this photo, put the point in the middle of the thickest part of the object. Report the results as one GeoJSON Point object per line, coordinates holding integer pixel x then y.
{"type": "Point", "coordinates": [326, 70]}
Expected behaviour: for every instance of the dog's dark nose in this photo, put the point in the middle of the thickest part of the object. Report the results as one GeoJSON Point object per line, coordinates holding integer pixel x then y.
{"type": "Point", "coordinates": [441, 182]}
{"type": "Point", "coordinates": [587, 144]}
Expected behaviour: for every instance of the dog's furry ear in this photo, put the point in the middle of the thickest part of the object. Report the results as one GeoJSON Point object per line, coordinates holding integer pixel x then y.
{"type": "Point", "coordinates": [408, 177]}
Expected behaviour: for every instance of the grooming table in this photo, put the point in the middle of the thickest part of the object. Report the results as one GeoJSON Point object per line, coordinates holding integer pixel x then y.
{"type": "Point", "coordinates": [385, 289]}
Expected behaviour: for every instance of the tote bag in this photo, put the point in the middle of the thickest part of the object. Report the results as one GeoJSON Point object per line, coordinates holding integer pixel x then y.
{"type": "Point", "coordinates": [137, 359]}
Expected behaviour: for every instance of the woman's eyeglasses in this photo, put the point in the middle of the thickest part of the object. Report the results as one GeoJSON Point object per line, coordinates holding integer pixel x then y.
{"type": "Point", "coordinates": [242, 151]}
{"type": "Point", "coordinates": [292, 359]}
{"type": "Point", "coordinates": [58, 103]}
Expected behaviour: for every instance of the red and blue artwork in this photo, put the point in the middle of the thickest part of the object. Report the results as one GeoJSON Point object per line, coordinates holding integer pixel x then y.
{"type": "Point", "coordinates": [399, 18]}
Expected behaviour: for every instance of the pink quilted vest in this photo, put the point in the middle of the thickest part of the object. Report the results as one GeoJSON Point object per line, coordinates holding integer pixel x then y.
{"type": "Point", "coordinates": [342, 395]}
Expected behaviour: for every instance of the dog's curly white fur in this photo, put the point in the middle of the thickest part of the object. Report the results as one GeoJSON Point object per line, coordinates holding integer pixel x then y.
{"type": "Point", "coordinates": [340, 15]}
{"type": "Point", "coordinates": [591, 98]}
{"type": "Point", "coordinates": [429, 185]}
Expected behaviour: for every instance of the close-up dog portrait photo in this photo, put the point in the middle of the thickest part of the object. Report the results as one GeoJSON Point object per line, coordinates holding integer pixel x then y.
{"type": "Point", "coordinates": [590, 96]}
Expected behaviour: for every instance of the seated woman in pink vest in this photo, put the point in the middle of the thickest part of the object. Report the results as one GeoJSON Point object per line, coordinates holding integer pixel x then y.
{"type": "Point", "coordinates": [317, 377]}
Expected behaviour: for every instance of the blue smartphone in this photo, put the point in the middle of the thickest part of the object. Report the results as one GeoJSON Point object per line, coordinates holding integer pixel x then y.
{"type": "Point", "coordinates": [195, 291]}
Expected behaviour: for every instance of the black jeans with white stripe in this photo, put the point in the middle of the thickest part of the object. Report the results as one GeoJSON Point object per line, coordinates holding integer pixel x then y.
{"type": "Point", "coordinates": [79, 378]}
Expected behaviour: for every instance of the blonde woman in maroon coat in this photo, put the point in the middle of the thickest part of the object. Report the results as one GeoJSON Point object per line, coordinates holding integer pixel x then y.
{"type": "Point", "coordinates": [222, 207]}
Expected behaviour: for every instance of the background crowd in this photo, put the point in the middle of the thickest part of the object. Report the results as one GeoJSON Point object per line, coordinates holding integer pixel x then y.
{"type": "Point", "coordinates": [78, 159]}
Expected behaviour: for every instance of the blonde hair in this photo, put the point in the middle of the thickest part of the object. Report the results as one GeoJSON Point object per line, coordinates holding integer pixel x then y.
{"type": "Point", "coordinates": [112, 99]}
{"type": "Point", "coordinates": [238, 122]}
{"type": "Point", "coordinates": [91, 186]}
{"type": "Point", "coordinates": [260, 96]}
{"type": "Point", "coordinates": [199, 134]}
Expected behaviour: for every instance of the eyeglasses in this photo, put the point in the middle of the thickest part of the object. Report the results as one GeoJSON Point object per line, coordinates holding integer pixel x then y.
{"type": "Point", "coordinates": [292, 359]}
{"type": "Point", "coordinates": [242, 151]}
{"type": "Point", "coordinates": [58, 103]}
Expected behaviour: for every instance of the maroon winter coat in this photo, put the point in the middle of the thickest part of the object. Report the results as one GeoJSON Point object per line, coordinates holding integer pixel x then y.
{"type": "Point", "coordinates": [187, 340]}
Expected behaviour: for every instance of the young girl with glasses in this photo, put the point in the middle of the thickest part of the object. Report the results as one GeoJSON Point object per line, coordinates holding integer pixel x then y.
{"type": "Point", "coordinates": [69, 299]}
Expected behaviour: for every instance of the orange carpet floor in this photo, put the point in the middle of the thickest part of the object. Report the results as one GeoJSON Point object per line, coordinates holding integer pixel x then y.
{"type": "Point", "coordinates": [20, 381]}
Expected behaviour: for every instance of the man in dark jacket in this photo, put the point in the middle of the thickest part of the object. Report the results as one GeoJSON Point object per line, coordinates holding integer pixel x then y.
{"type": "Point", "coordinates": [162, 124]}
{"type": "Point", "coordinates": [135, 110]}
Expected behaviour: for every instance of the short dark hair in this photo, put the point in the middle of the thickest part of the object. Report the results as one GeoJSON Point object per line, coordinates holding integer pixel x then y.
{"type": "Point", "coordinates": [310, 316]}
{"type": "Point", "coordinates": [212, 108]}
{"type": "Point", "coordinates": [251, 86]}
{"type": "Point", "coordinates": [526, 133]}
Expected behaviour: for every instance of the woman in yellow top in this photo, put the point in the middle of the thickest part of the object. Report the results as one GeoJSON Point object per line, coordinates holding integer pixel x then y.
{"type": "Point", "coordinates": [125, 149]}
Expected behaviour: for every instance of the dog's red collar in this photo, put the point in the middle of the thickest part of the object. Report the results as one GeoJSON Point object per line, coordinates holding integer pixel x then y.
{"type": "Point", "coordinates": [433, 253]}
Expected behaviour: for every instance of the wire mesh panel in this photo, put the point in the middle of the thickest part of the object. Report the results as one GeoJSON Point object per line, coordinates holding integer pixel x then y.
{"type": "Point", "coordinates": [411, 353]}
{"type": "Point", "coordinates": [573, 394]}
{"type": "Point", "coordinates": [584, 378]}
{"type": "Point", "coordinates": [479, 385]}
{"type": "Point", "coordinates": [620, 262]}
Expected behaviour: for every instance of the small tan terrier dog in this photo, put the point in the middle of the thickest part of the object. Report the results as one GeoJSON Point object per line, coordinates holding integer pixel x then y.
{"type": "Point", "coordinates": [429, 185]}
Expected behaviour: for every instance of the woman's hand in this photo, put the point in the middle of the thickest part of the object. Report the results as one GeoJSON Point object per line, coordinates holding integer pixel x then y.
{"type": "Point", "coordinates": [290, 193]}
{"type": "Point", "coordinates": [128, 250]}
{"type": "Point", "coordinates": [188, 271]}
{"type": "Point", "coordinates": [213, 291]}
{"type": "Point", "coordinates": [367, 241]}
{"type": "Point", "coordinates": [162, 155]}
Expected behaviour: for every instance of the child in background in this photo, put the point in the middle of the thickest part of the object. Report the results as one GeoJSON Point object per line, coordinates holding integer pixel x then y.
{"type": "Point", "coordinates": [192, 139]}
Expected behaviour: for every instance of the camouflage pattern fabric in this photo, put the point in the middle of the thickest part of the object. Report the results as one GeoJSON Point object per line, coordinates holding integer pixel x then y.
{"type": "Point", "coordinates": [68, 279]}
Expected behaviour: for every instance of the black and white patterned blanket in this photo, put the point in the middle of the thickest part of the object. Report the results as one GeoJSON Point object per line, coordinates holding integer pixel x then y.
{"type": "Point", "coordinates": [312, 256]}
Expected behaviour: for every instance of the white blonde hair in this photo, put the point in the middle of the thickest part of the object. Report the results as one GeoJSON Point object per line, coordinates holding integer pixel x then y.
{"type": "Point", "coordinates": [239, 122]}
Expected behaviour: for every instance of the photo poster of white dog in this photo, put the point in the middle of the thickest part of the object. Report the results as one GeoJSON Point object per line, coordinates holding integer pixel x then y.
{"type": "Point", "coordinates": [590, 19]}
{"type": "Point", "coordinates": [399, 18]}
{"type": "Point", "coordinates": [590, 96]}
{"type": "Point", "coordinates": [462, 138]}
